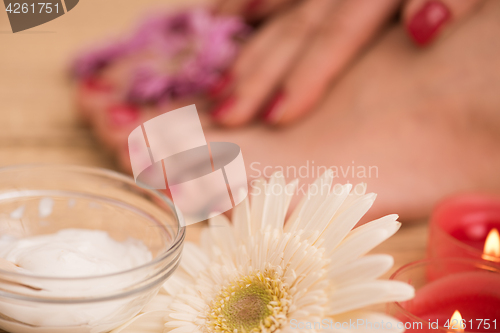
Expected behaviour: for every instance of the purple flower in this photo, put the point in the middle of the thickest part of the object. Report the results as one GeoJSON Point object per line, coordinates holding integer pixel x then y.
{"type": "Point", "coordinates": [95, 60]}
{"type": "Point", "coordinates": [187, 52]}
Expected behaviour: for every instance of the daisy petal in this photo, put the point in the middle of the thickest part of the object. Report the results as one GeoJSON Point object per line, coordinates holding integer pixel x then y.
{"type": "Point", "coordinates": [184, 329]}
{"type": "Point", "coordinates": [221, 233]}
{"type": "Point", "coordinates": [182, 307]}
{"type": "Point", "coordinates": [326, 213]}
{"type": "Point", "coordinates": [177, 282]}
{"type": "Point", "coordinates": [363, 294]}
{"type": "Point", "coordinates": [193, 259]}
{"type": "Point", "coordinates": [386, 222]}
{"type": "Point", "coordinates": [345, 221]}
{"type": "Point", "coordinates": [178, 323]}
{"type": "Point", "coordinates": [357, 192]}
{"type": "Point", "coordinates": [363, 269]}
{"type": "Point", "coordinates": [257, 208]}
{"type": "Point", "coordinates": [359, 243]}
{"type": "Point", "coordinates": [312, 202]}
{"type": "Point", "coordinates": [275, 203]}
{"type": "Point", "coordinates": [159, 302]}
{"type": "Point", "coordinates": [290, 191]}
{"type": "Point", "coordinates": [149, 322]}
{"type": "Point", "coordinates": [241, 220]}
{"type": "Point", "coordinates": [369, 322]}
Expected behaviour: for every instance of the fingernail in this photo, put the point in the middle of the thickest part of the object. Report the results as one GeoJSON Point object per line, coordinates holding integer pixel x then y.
{"type": "Point", "coordinates": [218, 87]}
{"type": "Point", "coordinates": [223, 108]}
{"type": "Point", "coordinates": [426, 23]}
{"type": "Point", "coordinates": [271, 113]}
{"type": "Point", "coordinates": [123, 114]}
{"type": "Point", "coordinates": [97, 84]}
{"type": "Point", "coordinates": [252, 6]}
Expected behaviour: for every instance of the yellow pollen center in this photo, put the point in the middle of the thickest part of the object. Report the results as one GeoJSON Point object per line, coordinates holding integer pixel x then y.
{"type": "Point", "coordinates": [247, 307]}
{"type": "Point", "coordinates": [253, 303]}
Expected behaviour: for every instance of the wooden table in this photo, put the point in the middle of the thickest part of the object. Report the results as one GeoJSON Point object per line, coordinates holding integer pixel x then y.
{"type": "Point", "coordinates": [37, 119]}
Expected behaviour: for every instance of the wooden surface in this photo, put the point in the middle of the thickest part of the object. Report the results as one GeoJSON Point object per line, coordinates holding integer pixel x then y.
{"type": "Point", "coordinates": [38, 122]}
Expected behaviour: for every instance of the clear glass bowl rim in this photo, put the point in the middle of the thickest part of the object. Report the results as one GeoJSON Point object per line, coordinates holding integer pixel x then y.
{"type": "Point", "coordinates": [177, 242]}
{"type": "Point", "coordinates": [424, 262]}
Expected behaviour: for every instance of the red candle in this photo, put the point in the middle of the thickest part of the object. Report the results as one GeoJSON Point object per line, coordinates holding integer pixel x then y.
{"type": "Point", "coordinates": [444, 286]}
{"type": "Point", "coordinates": [476, 295]}
{"type": "Point", "coordinates": [460, 225]}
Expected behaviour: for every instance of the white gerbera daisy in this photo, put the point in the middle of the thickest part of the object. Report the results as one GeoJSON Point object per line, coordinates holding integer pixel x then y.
{"type": "Point", "coordinates": [260, 274]}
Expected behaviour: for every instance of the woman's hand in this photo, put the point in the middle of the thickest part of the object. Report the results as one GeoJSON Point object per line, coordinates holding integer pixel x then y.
{"type": "Point", "coordinates": [299, 52]}
{"type": "Point", "coordinates": [284, 70]}
{"type": "Point", "coordinates": [251, 9]}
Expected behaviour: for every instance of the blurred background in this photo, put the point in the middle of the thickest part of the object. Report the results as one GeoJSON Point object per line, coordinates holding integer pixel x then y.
{"type": "Point", "coordinates": [38, 123]}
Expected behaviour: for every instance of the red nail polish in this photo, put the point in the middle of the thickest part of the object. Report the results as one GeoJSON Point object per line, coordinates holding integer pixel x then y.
{"type": "Point", "coordinates": [252, 6]}
{"type": "Point", "coordinates": [97, 84]}
{"type": "Point", "coordinates": [223, 108]}
{"type": "Point", "coordinates": [123, 114]}
{"type": "Point", "coordinates": [218, 87]}
{"type": "Point", "coordinates": [270, 113]}
{"type": "Point", "coordinates": [426, 23]}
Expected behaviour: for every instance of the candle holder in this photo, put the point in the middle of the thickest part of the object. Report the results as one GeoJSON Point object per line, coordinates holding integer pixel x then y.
{"type": "Point", "coordinates": [444, 286]}
{"type": "Point", "coordinates": [460, 225]}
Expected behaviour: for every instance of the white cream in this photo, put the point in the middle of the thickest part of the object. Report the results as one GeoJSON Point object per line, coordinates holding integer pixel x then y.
{"type": "Point", "coordinates": [74, 253]}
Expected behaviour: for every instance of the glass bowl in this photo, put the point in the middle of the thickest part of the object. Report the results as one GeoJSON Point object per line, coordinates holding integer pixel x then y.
{"type": "Point", "coordinates": [40, 200]}
{"type": "Point", "coordinates": [443, 286]}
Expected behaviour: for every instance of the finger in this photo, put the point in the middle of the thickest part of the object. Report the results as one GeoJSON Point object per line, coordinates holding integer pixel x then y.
{"type": "Point", "coordinates": [424, 19]}
{"type": "Point", "coordinates": [230, 7]}
{"type": "Point", "coordinates": [259, 46]}
{"type": "Point", "coordinates": [252, 9]}
{"type": "Point", "coordinates": [263, 42]}
{"type": "Point", "coordinates": [351, 25]}
{"type": "Point", "coordinates": [267, 61]}
{"type": "Point", "coordinates": [250, 55]}
{"type": "Point", "coordinates": [258, 9]}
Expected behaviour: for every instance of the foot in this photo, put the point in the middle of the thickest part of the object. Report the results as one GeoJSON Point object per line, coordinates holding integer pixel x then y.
{"type": "Point", "coordinates": [416, 125]}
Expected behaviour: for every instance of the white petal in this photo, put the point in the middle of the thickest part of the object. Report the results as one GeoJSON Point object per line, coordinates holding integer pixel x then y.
{"type": "Point", "coordinates": [318, 191]}
{"type": "Point", "coordinates": [357, 296]}
{"type": "Point", "coordinates": [368, 322]}
{"type": "Point", "coordinates": [343, 223]}
{"type": "Point", "coordinates": [358, 244]}
{"type": "Point", "coordinates": [325, 215]}
{"type": "Point", "coordinates": [183, 316]}
{"type": "Point", "coordinates": [257, 203]}
{"type": "Point", "coordinates": [149, 322]}
{"type": "Point", "coordinates": [363, 269]}
{"type": "Point", "coordinates": [241, 220]}
{"type": "Point", "coordinates": [221, 234]}
{"type": "Point", "coordinates": [182, 307]}
{"type": "Point", "coordinates": [195, 302]}
{"type": "Point", "coordinates": [177, 282]}
{"type": "Point", "coordinates": [178, 323]}
{"type": "Point", "coordinates": [275, 203]}
{"type": "Point", "coordinates": [193, 259]}
{"type": "Point", "coordinates": [357, 192]}
{"type": "Point", "coordinates": [184, 329]}
{"type": "Point", "coordinates": [290, 191]}
{"type": "Point", "coordinates": [159, 302]}
{"type": "Point", "coordinates": [386, 222]}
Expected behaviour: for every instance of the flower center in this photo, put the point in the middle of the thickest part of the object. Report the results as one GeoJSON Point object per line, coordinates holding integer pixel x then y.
{"type": "Point", "coordinates": [257, 302]}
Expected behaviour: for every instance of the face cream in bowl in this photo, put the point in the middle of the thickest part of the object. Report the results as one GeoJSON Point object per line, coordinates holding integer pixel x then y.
{"type": "Point", "coordinates": [91, 248]}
